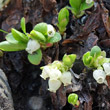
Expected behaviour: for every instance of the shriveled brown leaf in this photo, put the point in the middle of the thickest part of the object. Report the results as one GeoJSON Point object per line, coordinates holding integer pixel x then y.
{"type": "Point", "coordinates": [105, 18]}
{"type": "Point", "coordinates": [108, 81]}
{"type": "Point", "coordinates": [48, 5]}
{"type": "Point", "coordinates": [92, 22]}
{"type": "Point", "coordinates": [105, 43]}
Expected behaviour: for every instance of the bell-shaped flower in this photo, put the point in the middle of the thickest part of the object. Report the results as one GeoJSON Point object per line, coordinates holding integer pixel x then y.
{"type": "Point", "coordinates": [99, 75]}
{"type": "Point", "coordinates": [106, 67]}
{"type": "Point", "coordinates": [66, 78]}
{"type": "Point", "coordinates": [45, 72]}
{"type": "Point", "coordinates": [54, 85]}
{"type": "Point", "coordinates": [89, 1]}
{"type": "Point", "coordinates": [54, 74]}
{"type": "Point", "coordinates": [50, 30]}
{"type": "Point", "coordinates": [32, 46]}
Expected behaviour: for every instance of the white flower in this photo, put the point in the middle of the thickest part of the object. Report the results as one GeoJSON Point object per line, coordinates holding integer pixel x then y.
{"type": "Point", "coordinates": [32, 46]}
{"type": "Point", "coordinates": [99, 76]}
{"type": "Point", "coordinates": [89, 1]}
{"type": "Point", "coordinates": [66, 78]}
{"type": "Point", "coordinates": [54, 74]}
{"type": "Point", "coordinates": [54, 85]}
{"type": "Point", "coordinates": [106, 67]}
{"type": "Point", "coordinates": [50, 30]}
{"type": "Point", "coordinates": [45, 72]}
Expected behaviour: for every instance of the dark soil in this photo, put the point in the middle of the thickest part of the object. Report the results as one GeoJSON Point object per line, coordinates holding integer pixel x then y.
{"type": "Point", "coordinates": [82, 34]}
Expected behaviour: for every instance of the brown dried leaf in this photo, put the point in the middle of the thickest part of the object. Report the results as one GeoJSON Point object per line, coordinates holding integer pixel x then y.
{"type": "Point", "coordinates": [92, 22]}
{"type": "Point", "coordinates": [105, 43]}
{"type": "Point", "coordinates": [105, 18]}
{"type": "Point", "coordinates": [48, 5]}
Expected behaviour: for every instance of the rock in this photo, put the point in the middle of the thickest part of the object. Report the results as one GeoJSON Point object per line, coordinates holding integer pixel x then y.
{"type": "Point", "coordinates": [6, 101]}
{"type": "Point", "coordinates": [36, 103]}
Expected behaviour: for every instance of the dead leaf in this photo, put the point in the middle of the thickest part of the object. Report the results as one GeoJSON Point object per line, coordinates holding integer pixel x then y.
{"type": "Point", "coordinates": [48, 5]}
{"type": "Point", "coordinates": [105, 18]}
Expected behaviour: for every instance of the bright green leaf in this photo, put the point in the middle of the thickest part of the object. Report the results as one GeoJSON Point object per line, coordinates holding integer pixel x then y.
{"type": "Point", "coordinates": [63, 14]}
{"type": "Point", "coordinates": [1, 30]}
{"type": "Point", "coordinates": [10, 38]}
{"type": "Point", "coordinates": [35, 58]}
{"type": "Point", "coordinates": [75, 4]}
{"type": "Point", "coordinates": [19, 36]}
{"type": "Point", "coordinates": [95, 51]}
{"type": "Point", "coordinates": [37, 36]}
{"type": "Point", "coordinates": [23, 25]}
{"type": "Point", "coordinates": [73, 98]}
{"type": "Point", "coordinates": [41, 27]}
{"type": "Point", "coordinates": [7, 46]}
{"type": "Point", "coordinates": [85, 6]}
{"type": "Point", "coordinates": [55, 38]}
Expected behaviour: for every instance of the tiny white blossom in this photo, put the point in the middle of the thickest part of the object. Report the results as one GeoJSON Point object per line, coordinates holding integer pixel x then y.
{"type": "Point", "coordinates": [50, 30]}
{"type": "Point", "coordinates": [32, 46]}
{"type": "Point", "coordinates": [99, 76]}
{"type": "Point", "coordinates": [89, 1]}
{"type": "Point", "coordinates": [54, 74]}
{"type": "Point", "coordinates": [106, 67]}
{"type": "Point", "coordinates": [66, 78]}
{"type": "Point", "coordinates": [45, 72]}
{"type": "Point", "coordinates": [54, 85]}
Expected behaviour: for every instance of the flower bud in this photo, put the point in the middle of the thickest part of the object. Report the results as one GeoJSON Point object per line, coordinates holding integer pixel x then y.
{"type": "Point", "coordinates": [54, 74]}
{"type": "Point", "coordinates": [99, 76]}
{"type": "Point", "coordinates": [54, 85]}
{"type": "Point", "coordinates": [45, 72]}
{"type": "Point", "coordinates": [32, 46]}
{"type": "Point", "coordinates": [95, 52]}
{"type": "Point", "coordinates": [66, 78]}
{"type": "Point", "coordinates": [106, 67]}
{"type": "Point", "coordinates": [68, 60]}
{"type": "Point", "coordinates": [50, 30]}
{"type": "Point", "coordinates": [89, 1]}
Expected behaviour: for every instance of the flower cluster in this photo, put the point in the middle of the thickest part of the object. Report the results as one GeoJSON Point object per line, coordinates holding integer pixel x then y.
{"type": "Point", "coordinates": [58, 73]}
{"type": "Point", "coordinates": [100, 74]}
{"type": "Point", "coordinates": [43, 36]}
{"type": "Point", "coordinates": [97, 59]}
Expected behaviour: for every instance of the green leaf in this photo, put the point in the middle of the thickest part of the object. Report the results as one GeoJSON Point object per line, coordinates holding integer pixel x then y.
{"type": "Point", "coordinates": [10, 38]}
{"type": "Point", "coordinates": [55, 38]}
{"type": "Point", "coordinates": [95, 52]}
{"type": "Point", "coordinates": [23, 26]}
{"type": "Point", "coordinates": [87, 59]}
{"type": "Point", "coordinates": [37, 36]}
{"type": "Point", "coordinates": [36, 57]}
{"type": "Point", "coordinates": [63, 14]}
{"type": "Point", "coordinates": [41, 27]}
{"type": "Point", "coordinates": [1, 30]}
{"type": "Point", "coordinates": [75, 4]}
{"type": "Point", "coordinates": [85, 6]}
{"type": "Point", "coordinates": [19, 36]}
{"type": "Point", "coordinates": [73, 98]}
{"type": "Point", "coordinates": [7, 46]}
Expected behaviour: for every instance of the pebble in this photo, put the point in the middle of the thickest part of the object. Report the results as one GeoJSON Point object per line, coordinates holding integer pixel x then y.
{"type": "Point", "coordinates": [35, 103]}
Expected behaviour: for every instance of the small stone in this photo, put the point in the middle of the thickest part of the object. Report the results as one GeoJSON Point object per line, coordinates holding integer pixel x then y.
{"type": "Point", "coordinates": [35, 103]}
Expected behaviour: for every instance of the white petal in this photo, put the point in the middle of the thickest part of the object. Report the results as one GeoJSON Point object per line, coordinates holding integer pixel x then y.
{"type": "Point", "coordinates": [99, 76]}
{"type": "Point", "coordinates": [50, 30]}
{"type": "Point", "coordinates": [54, 74]}
{"type": "Point", "coordinates": [89, 1]}
{"type": "Point", "coordinates": [45, 72]}
{"type": "Point", "coordinates": [66, 78]}
{"type": "Point", "coordinates": [54, 85]}
{"type": "Point", "coordinates": [106, 67]}
{"type": "Point", "coordinates": [32, 46]}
